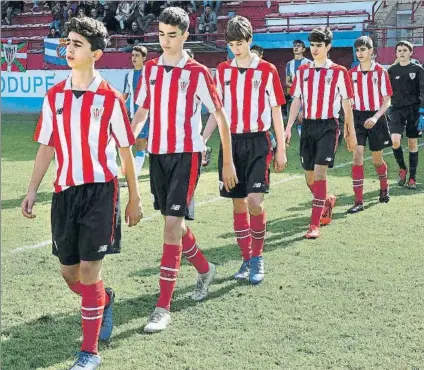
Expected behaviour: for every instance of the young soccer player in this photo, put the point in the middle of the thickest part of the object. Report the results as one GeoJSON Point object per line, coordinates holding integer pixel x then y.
{"type": "Point", "coordinates": [252, 95]}
{"type": "Point", "coordinates": [319, 88]}
{"type": "Point", "coordinates": [407, 80]}
{"type": "Point", "coordinates": [372, 90]}
{"type": "Point", "coordinates": [258, 50]}
{"type": "Point", "coordinates": [173, 88]}
{"type": "Point", "coordinates": [82, 121]}
{"type": "Point", "coordinates": [138, 58]}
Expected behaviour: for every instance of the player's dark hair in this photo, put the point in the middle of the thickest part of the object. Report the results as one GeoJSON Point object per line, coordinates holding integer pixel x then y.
{"type": "Point", "coordinates": [140, 49]}
{"type": "Point", "coordinates": [258, 48]}
{"type": "Point", "coordinates": [364, 41]}
{"type": "Point", "coordinates": [238, 29]}
{"type": "Point", "coordinates": [176, 17]}
{"type": "Point", "coordinates": [321, 34]}
{"type": "Point", "coordinates": [94, 31]}
{"type": "Point", "coordinates": [405, 43]}
{"type": "Point", "coordinates": [299, 42]}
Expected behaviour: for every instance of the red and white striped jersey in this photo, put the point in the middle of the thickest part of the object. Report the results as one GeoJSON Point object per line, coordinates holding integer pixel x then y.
{"type": "Point", "coordinates": [84, 132]}
{"type": "Point", "coordinates": [322, 89]}
{"type": "Point", "coordinates": [249, 94]}
{"type": "Point", "coordinates": [370, 87]}
{"type": "Point", "coordinates": [174, 97]}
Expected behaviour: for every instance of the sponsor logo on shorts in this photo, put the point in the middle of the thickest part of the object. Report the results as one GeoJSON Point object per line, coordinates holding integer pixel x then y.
{"type": "Point", "coordinates": [257, 185]}
{"type": "Point", "coordinates": [386, 142]}
{"type": "Point", "coordinates": [102, 248]}
{"type": "Point", "coordinates": [301, 159]}
{"type": "Point", "coordinates": [397, 77]}
{"type": "Point", "coordinates": [175, 207]}
{"type": "Point", "coordinates": [328, 159]}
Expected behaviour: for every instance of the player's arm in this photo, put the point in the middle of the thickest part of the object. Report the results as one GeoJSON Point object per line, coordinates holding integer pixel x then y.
{"type": "Point", "coordinates": [280, 161]}
{"type": "Point", "coordinates": [370, 122]}
{"type": "Point", "coordinates": [229, 176]}
{"type": "Point", "coordinates": [294, 111]}
{"type": "Point", "coordinates": [140, 118]}
{"type": "Point", "coordinates": [124, 138]}
{"type": "Point", "coordinates": [41, 165]}
{"type": "Point", "coordinates": [209, 128]}
{"type": "Point", "coordinates": [126, 92]}
{"type": "Point", "coordinates": [349, 128]}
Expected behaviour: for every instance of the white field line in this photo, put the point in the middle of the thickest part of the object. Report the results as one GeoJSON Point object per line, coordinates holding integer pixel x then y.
{"type": "Point", "coordinates": [199, 204]}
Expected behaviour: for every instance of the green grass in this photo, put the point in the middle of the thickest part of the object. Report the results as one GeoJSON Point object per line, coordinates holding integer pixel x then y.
{"type": "Point", "coordinates": [352, 299]}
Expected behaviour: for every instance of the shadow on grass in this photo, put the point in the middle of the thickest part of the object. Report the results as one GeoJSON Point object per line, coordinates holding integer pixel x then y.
{"type": "Point", "coordinates": [53, 339]}
{"type": "Point", "coordinates": [42, 198]}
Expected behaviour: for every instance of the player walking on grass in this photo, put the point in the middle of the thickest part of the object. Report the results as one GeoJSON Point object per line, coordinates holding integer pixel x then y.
{"type": "Point", "coordinates": [407, 80]}
{"type": "Point", "coordinates": [82, 121]}
{"type": "Point", "coordinates": [138, 58]}
{"type": "Point", "coordinates": [372, 90]}
{"type": "Point", "coordinates": [252, 94]}
{"type": "Point", "coordinates": [319, 88]}
{"type": "Point", "coordinates": [173, 88]}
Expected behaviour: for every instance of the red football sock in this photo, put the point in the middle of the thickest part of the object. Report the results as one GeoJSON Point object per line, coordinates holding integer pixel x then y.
{"type": "Point", "coordinates": [382, 175]}
{"type": "Point", "coordinates": [358, 183]}
{"type": "Point", "coordinates": [258, 229]}
{"type": "Point", "coordinates": [243, 234]}
{"type": "Point", "coordinates": [171, 260]}
{"type": "Point", "coordinates": [77, 289]}
{"type": "Point", "coordinates": [92, 306]}
{"type": "Point", "coordinates": [320, 195]}
{"type": "Point", "coordinates": [193, 254]}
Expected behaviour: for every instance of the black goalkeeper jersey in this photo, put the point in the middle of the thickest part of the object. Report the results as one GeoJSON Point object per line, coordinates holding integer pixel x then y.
{"type": "Point", "coordinates": [408, 85]}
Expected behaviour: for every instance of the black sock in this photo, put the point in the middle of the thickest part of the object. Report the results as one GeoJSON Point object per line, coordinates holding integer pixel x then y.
{"type": "Point", "coordinates": [413, 164]}
{"type": "Point", "coordinates": [399, 157]}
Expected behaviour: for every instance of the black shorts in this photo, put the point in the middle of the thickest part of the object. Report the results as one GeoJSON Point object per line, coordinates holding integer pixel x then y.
{"type": "Point", "coordinates": [252, 154]}
{"type": "Point", "coordinates": [173, 180]}
{"type": "Point", "coordinates": [405, 118]}
{"type": "Point", "coordinates": [318, 142]}
{"type": "Point", "coordinates": [86, 222]}
{"type": "Point", "coordinates": [378, 137]}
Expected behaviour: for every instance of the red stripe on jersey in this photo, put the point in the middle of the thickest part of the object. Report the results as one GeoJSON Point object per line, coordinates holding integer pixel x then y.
{"type": "Point", "coordinates": [157, 116]}
{"type": "Point", "coordinates": [172, 111]}
{"type": "Point", "coordinates": [194, 171]}
{"type": "Point", "coordinates": [67, 107]}
{"type": "Point", "coordinates": [234, 103]}
{"type": "Point", "coordinates": [87, 163]}
{"type": "Point", "coordinates": [360, 91]}
{"type": "Point", "coordinates": [321, 84]}
{"type": "Point", "coordinates": [247, 103]}
{"type": "Point", "coordinates": [261, 102]}
{"type": "Point", "coordinates": [330, 113]}
{"type": "Point", "coordinates": [188, 142]}
{"type": "Point", "coordinates": [104, 135]}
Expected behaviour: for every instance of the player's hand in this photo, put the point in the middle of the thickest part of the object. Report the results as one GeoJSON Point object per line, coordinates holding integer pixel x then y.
{"type": "Point", "coordinates": [229, 176]}
{"type": "Point", "coordinates": [133, 212]}
{"type": "Point", "coordinates": [27, 205]}
{"type": "Point", "coordinates": [288, 135]}
{"type": "Point", "coordinates": [370, 123]}
{"type": "Point", "coordinates": [300, 118]}
{"type": "Point", "coordinates": [350, 138]}
{"type": "Point", "coordinates": [280, 160]}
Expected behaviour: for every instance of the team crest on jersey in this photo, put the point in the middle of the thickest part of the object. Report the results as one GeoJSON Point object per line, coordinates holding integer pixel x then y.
{"type": "Point", "coordinates": [375, 80]}
{"type": "Point", "coordinates": [412, 75]}
{"type": "Point", "coordinates": [328, 80]}
{"type": "Point", "coordinates": [256, 84]}
{"type": "Point", "coordinates": [183, 85]}
{"type": "Point", "coordinates": [227, 83]}
{"type": "Point", "coordinates": [96, 112]}
{"type": "Point", "coordinates": [152, 82]}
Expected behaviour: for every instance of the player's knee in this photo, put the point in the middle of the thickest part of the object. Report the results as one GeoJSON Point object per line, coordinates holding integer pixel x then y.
{"type": "Point", "coordinates": [173, 228]}
{"type": "Point", "coordinates": [256, 206]}
{"type": "Point", "coordinates": [358, 156]}
{"type": "Point", "coordinates": [412, 145]}
{"type": "Point", "coordinates": [70, 278]}
{"type": "Point", "coordinates": [240, 205]}
{"type": "Point", "coordinates": [395, 143]}
{"type": "Point", "coordinates": [90, 271]}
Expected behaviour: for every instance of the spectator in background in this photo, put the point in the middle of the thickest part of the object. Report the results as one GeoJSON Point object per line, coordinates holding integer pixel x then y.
{"type": "Point", "coordinates": [57, 17]}
{"type": "Point", "coordinates": [217, 5]}
{"type": "Point", "coordinates": [137, 14]}
{"type": "Point", "coordinates": [81, 12]}
{"type": "Point", "coordinates": [135, 31]}
{"type": "Point", "coordinates": [122, 14]}
{"type": "Point", "coordinates": [95, 15]}
{"type": "Point", "coordinates": [69, 14]}
{"type": "Point", "coordinates": [53, 34]}
{"type": "Point", "coordinates": [258, 50]}
{"type": "Point", "coordinates": [208, 21]}
{"type": "Point", "coordinates": [8, 17]}
{"type": "Point", "coordinates": [110, 21]}
{"type": "Point", "coordinates": [193, 20]}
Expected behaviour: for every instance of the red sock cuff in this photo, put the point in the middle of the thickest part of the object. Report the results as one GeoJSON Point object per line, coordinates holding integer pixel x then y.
{"type": "Point", "coordinates": [76, 288]}
{"type": "Point", "coordinates": [241, 220]}
{"type": "Point", "coordinates": [382, 169]}
{"type": "Point", "coordinates": [188, 239]}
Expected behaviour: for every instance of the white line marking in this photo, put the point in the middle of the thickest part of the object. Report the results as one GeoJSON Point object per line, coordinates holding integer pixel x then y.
{"type": "Point", "coordinates": [212, 200]}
